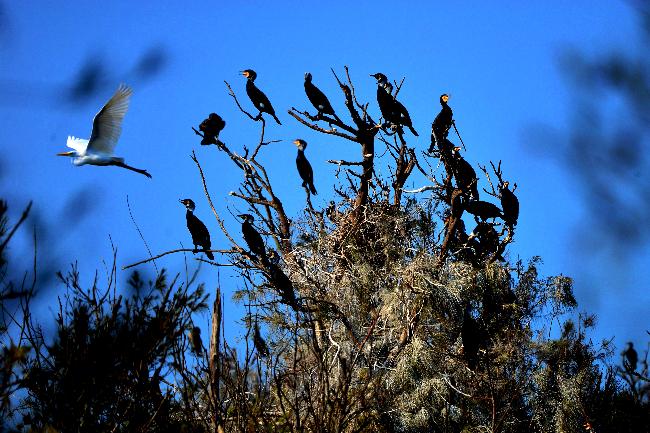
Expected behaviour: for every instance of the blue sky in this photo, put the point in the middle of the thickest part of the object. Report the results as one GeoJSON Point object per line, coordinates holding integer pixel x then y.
{"type": "Point", "coordinates": [499, 61]}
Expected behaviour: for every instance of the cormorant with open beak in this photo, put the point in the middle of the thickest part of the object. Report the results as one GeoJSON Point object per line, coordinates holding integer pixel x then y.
{"type": "Point", "coordinates": [304, 167]}
{"type": "Point", "coordinates": [317, 98]}
{"type": "Point", "coordinates": [257, 97]}
{"type": "Point", "coordinates": [252, 237]}
{"type": "Point", "coordinates": [198, 230]}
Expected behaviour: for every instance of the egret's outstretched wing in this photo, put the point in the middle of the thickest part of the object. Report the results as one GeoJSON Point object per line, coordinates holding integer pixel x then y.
{"type": "Point", "coordinates": [78, 144]}
{"type": "Point", "coordinates": [107, 124]}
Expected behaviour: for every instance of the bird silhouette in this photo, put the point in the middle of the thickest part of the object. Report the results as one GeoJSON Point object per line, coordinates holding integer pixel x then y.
{"type": "Point", "coordinates": [198, 230]}
{"type": "Point", "coordinates": [317, 98]}
{"type": "Point", "coordinates": [252, 237]}
{"type": "Point", "coordinates": [443, 121]}
{"type": "Point", "coordinates": [211, 127]}
{"type": "Point", "coordinates": [107, 127]}
{"type": "Point", "coordinates": [510, 205]}
{"type": "Point", "coordinates": [257, 97]}
{"type": "Point", "coordinates": [400, 115]}
{"type": "Point", "coordinates": [304, 167]}
{"type": "Point", "coordinates": [391, 109]}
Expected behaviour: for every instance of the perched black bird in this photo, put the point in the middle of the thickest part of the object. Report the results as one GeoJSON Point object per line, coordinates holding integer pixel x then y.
{"type": "Point", "coordinates": [400, 114]}
{"type": "Point", "coordinates": [510, 205]}
{"type": "Point", "coordinates": [304, 167]}
{"type": "Point", "coordinates": [384, 99]}
{"type": "Point", "coordinates": [211, 127]}
{"type": "Point", "coordinates": [195, 340]}
{"type": "Point", "coordinates": [482, 209]}
{"type": "Point", "coordinates": [317, 98]}
{"type": "Point", "coordinates": [283, 285]}
{"type": "Point", "coordinates": [258, 98]}
{"type": "Point", "coordinates": [488, 240]}
{"type": "Point", "coordinates": [630, 357]}
{"type": "Point", "coordinates": [472, 337]}
{"type": "Point", "coordinates": [258, 341]}
{"type": "Point", "coordinates": [252, 237]}
{"type": "Point", "coordinates": [198, 230]}
{"type": "Point", "coordinates": [465, 175]}
{"type": "Point", "coordinates": [443, 121]}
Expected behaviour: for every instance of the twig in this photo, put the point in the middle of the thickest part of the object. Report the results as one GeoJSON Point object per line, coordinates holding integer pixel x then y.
{"type": "Point", "coordinates": [177, 251]}
{"type": "Point", "coordinates": [207, 194]}
{"type": "Point", "coordinates": [23, 217]}
{"type": "Point", "coordinates": [315, 127]}
{"type": "Point", "coordinates": [232, 93]}
{"type": "Point", "coordinates": [342, 162]}
{"type": "Point", "coordinates": [423, 189]}
{"type": "Point", "coordinates": [128, 205]}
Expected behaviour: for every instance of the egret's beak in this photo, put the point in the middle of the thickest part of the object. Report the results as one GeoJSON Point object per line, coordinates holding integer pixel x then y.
{"type": "Point", "coordinates": [66, 153]}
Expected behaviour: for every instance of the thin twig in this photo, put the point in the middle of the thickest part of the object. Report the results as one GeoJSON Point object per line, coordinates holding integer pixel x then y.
{"type": "Point", "coordinates": [23, 217]}
{"type": "Point", "coordinates": [177, 251]}
{"type": "Point", "coordinates": [128, 205]}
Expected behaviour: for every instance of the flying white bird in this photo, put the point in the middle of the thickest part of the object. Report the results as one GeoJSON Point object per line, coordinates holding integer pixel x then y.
{"type": "Point", "coordinates": [107, 127]}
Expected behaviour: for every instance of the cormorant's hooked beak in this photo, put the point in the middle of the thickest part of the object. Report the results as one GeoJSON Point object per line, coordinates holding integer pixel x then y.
{"type": "Point", "coordinates": [296, 142]}
{"type": "Point", "coordinates": [244, 73]}
{"type": "Point", "coordinates": [71, 153]}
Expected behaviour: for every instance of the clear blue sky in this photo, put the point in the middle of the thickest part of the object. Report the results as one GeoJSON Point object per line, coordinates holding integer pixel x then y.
{"type": "Point", "coordinates": [497, 59]}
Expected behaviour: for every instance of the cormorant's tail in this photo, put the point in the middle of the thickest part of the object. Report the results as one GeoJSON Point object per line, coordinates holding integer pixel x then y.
{"type": "Point", "coordinates": [276, 118]}
{"type": "Point", "coordinates": [413, 130]}
{"type": "Point", "coordinates": [312, 188]}
{"type": "Point", "coordinates": [209, 254]}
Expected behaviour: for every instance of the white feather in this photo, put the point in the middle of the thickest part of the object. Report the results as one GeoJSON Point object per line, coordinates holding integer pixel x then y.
{"type": "Point", "coordinates": [78, 144]}
{"type": "Point", "coordinates": [107, 124]}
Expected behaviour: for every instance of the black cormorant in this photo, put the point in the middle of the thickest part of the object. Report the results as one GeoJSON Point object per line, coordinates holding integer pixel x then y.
{"type": "Point", "coordinates": [317, 98]}
{"type": "Point", "coordinates": [488, 239]}
{"type": "Point", "coordinates": [465, 175]}
{"type": "Point", "coordinates": [472, 337]}
{"type": "Point", "coordinates": [195, 340]}
{"type": "Point", "coordinates": [510, 205]}
{"type": "Point", "coordinates": [400, 114]}
{"type": "Point", "coordinates": [630, 357]}
{"type": "Point", "coordinates": [258, 341]}
{"type": "Point", "coordinates": [384, 99]}
{"type": "Point", "coordinates": [443, 121]}
{"type": "Point", "coordinates": [283, 285]}
{"type": "Point", "coordinates": [304, 167]}
{"type": "Point", "coordinates": [198, 230]}
{"type": "Point", "coordinates": [258, 98]}
{"type": "Point", "coordinates": [252, 237]}
{"type": "Point", "coordinates": [482, 209]}
{"type": "Point", "coordinates": [211, 127]}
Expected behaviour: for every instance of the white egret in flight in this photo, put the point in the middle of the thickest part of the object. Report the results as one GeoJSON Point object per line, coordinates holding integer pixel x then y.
{"type": "Point", "coordinates": [107, 127]}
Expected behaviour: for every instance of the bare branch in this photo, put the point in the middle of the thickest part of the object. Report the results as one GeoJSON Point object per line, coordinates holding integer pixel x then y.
{"type": "Point", "coordinates": [295, 114]}
{"type": "Point", "coordinates": [179, 250]}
